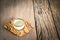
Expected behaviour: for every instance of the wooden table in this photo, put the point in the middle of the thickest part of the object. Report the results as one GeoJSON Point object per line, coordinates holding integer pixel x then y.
{"type": "Point", "coordinates": [16, 9]}
{"type": "Point", "coordinates": [46, 19]}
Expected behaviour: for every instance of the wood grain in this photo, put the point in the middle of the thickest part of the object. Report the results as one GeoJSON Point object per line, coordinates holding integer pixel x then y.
{"type": "Point", "coordinates": [55, 7]}
{"type": "Point", "coordinates": [44, 16]}
{"type": "Point", "coordinates": [45, 25]}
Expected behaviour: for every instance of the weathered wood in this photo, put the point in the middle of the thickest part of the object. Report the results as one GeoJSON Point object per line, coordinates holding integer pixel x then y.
{"type": "Point", "coordinates": [44, 21]}
{"type": "Point", "coordinates": [16, 9]}
{"type": "Point", "coordinates": [55, 7]}
{"type": "Point", "coordinates": [47, 18]}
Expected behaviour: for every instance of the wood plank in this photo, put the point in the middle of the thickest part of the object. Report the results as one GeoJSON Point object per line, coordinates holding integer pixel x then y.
{"type": "Point", "coordinates": [44, 21]}
{"type": "Point", "coordinates": [55, 7]}
{"type": "Point", "coordinates": [16, 9]}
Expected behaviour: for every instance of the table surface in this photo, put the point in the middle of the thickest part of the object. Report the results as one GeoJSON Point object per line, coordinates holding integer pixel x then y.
{"type": "Point", "coordinates": [16, 9]}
